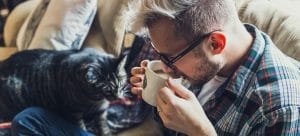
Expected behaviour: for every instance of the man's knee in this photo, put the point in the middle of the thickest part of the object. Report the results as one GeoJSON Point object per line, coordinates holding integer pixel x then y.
{"type": "Point", "coordinates": [29, 115]}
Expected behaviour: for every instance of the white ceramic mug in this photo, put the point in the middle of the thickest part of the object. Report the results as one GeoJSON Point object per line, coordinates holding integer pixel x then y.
{"type": "Point", "coordinates": [154, 80]}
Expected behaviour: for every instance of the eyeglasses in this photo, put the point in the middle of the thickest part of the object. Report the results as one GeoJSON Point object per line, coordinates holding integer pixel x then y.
{"type": "Point", "coordinates": [169, 61]}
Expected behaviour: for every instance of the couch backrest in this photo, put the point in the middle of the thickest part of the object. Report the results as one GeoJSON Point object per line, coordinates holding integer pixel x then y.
{"type": "Point", "coordinates": [279, 19]}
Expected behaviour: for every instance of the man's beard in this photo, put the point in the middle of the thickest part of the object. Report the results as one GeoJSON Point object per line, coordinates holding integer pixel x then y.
{"type": "Point", "coordinates": [205, 72]}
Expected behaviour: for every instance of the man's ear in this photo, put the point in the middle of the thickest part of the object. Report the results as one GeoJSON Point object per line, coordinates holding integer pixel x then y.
{"type": "Point", "coordinates": [217, 42]}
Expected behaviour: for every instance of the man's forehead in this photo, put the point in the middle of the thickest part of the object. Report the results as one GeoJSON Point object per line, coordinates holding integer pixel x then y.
{"type": "Point", "coordinates": [164, 28]}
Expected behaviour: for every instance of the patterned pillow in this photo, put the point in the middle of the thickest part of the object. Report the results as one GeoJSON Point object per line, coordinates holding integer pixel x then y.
{"type": "Point", "coordinates": [57, 24]}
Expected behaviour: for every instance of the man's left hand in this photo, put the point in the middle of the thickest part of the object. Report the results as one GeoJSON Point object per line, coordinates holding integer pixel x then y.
{"type": "Point", "coordinates": [180, 110]}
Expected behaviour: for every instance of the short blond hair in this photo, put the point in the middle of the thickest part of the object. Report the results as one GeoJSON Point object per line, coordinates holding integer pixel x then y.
{"type": "Point", "coordinates": [191, 17]}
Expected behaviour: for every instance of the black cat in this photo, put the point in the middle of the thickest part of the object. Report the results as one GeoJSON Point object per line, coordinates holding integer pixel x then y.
{"type": "Point", "coordinates": [73, 83]}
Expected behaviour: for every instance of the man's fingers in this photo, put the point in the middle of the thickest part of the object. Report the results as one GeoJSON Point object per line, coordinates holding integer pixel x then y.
{"type": "Point", "coordinates": [166, 95]}
{"type": "Point", "coordinates": [144, 63]}
{"type": "Point", "coordinates": [160, 102]}
{"type": "Point", "coordinates": [136, 79]}
{"type": "Point", "coordinates": [137, 90]}
{"type": "Point", "coordinates": [137, 71]}
{"type": "Point", "coordinates": [140, 70]}
{"type": "Point", "coordinates": [179, 90]}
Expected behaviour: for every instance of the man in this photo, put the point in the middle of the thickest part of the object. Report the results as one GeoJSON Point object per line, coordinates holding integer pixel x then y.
{"type": "Point", "coordinates": [242, 84]}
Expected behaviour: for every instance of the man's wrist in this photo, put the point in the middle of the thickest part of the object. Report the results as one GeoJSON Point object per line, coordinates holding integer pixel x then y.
{"type": "Point", "coordinates": [208, 130]}
{"type": "Point", "coordinates": [204, 133]}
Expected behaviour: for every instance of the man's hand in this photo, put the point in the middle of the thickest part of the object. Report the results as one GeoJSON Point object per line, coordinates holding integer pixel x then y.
{"type": "Point", "coordinates": [137, 78]}
{"type": "Point", "coordinates": [180, 110]}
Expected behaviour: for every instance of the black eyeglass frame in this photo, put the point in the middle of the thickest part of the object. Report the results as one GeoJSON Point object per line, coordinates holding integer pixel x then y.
{"type": "Point", "coordinates": [170, 62]}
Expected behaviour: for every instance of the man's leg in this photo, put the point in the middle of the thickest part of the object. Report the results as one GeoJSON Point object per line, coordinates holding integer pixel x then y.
{"type": "Point", "coordinates": [37, 121]}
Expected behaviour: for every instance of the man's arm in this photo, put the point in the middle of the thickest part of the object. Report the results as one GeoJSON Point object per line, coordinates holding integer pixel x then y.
{"type": "Point", "coordinates": [283, 121]}
{"type": "Point", "coordinates": [181, 111]}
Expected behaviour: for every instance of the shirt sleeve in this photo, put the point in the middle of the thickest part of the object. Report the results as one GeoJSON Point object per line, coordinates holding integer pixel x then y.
{"type": "Point", "coordinates": [284, 121]}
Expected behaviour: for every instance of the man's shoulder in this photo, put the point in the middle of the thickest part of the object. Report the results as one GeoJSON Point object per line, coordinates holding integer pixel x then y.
{"type": "Point", "coordinates": [276, 88]}
{"type": "Point", "coordinates": [277, 80]}
{"type": "Point", "coordinates": [276, 68]}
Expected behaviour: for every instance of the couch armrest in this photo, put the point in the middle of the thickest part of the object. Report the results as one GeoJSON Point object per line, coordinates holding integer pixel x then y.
{"type": "Point", "coordinates": [5, 52]}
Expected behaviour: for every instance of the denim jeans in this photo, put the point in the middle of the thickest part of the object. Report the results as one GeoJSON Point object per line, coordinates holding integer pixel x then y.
{"type": "Point", "coordinates": [35, 121]}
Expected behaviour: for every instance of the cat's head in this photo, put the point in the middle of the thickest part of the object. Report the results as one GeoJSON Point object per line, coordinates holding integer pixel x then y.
{"type": "Point", "coordinates": [96, 74]}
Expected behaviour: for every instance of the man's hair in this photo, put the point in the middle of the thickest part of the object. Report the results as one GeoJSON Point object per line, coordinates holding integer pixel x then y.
{"type": "Point", "coordinates": [191, 17]}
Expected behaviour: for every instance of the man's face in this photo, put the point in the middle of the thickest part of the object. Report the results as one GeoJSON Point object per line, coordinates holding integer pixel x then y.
{"type": "Point", "coordinates": [194, 66]}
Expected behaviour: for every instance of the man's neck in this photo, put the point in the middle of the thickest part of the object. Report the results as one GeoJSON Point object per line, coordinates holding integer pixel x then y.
{"type": "Point", "coordinates": [239, 44]}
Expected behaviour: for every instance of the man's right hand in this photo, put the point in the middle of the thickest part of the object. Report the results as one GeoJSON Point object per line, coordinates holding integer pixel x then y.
{"type": "Point", "coordinates": [137, 78]}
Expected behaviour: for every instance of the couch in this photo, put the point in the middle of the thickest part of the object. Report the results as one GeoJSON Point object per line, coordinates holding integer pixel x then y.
{"type": "Point", "coordinates": [277, 18]}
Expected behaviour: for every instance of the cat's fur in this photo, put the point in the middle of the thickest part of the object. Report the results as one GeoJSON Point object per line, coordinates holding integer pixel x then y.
{"type": "Point", "coordinates": [73, 83]}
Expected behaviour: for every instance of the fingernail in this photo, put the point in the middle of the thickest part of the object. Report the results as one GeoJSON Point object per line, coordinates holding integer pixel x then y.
{"type": "Point", "coordinates": [139, 80]}
{"type": "Point", "coordinates": [169, 81]}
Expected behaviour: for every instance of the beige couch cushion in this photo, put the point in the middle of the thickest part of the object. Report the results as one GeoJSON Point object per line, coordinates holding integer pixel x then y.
{"type": "Point", "coordinates": [46, 24]}
{"type": "Point", "coordinates": [108, 28]}
{"type": "Point", "coordinates": [5, 52]}
{"type": "Point", "coordinates": [16, 19]}
{"type": "Point", "coordinates": [57, 24]}
{"type": "Point", "coordinates": [278, 19]}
